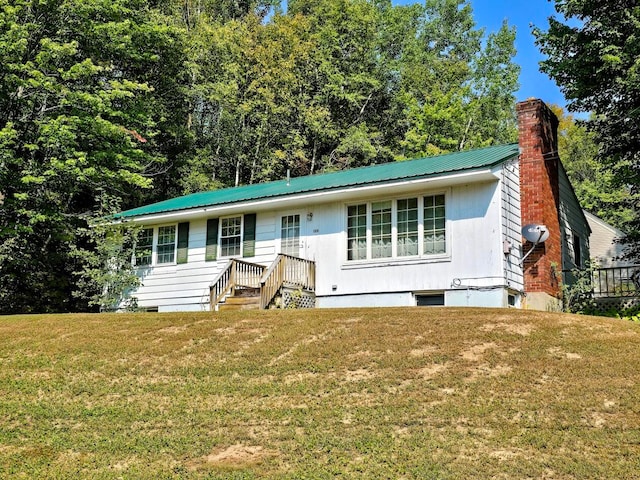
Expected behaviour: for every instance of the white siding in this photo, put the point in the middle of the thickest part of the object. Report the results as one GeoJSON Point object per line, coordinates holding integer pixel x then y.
{"type": "Point", "coordinates": [512, 223]}
{"type": "Point", "coordinates": [479, 217]}
{"type": "Point", "coordinates": [186, 286]}
{"type": "Point", "coordinates": [474, 259]}
{"type": "Point", "coordinates": [604, 243]}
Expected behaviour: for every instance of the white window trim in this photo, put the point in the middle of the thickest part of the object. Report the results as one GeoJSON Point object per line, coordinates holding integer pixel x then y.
{"type": "Point", "coordinates": [134, 257]}
{"type": "Point", "coordinates": [301, 226]}
{"type": "Point", "coordinates": [238, 255]}
{"type": "Point", "coordinates": [154, 248]}
{"type": "Point", "coordinates": [156, 238]}
{"type": "Point", "coordinates": [394, 259]}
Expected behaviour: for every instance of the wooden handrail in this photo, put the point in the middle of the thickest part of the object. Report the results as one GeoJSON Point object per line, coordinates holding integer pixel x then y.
{"type": "Point", "coordinates": [286, 271]}
{"type": "Point", "coordinates": [236, 273]}
{"type": "Point", "coordinates": [221, 285]}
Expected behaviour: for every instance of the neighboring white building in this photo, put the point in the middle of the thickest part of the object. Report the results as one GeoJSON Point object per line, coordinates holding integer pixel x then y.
{"type": "Point", "coordinates": [442, 230]}
{"type": "Point", "coordinates": [605, 242]}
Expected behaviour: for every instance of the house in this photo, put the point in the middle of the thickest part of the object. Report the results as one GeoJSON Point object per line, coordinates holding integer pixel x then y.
{"type": "Point", "coordinates": [615, 280]}
{"type": "Point", "coordinates": [443, 230]}
{"type": "Point", "coordinates": [606, 245]}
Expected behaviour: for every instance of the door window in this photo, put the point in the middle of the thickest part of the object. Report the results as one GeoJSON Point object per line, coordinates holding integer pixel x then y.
{"type": "Point", "coordinates": [290, 235]}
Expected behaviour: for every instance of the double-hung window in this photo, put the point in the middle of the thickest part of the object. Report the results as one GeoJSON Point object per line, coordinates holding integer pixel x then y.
{"type": "Point", "coordinates": [434, 225]}
{"type": "Point", "coordinates": [403, 228]}
{"type": "Point", "coordinates": [162, 245]}
{"type": "Point", "coordinates": [166, 249]}
{"type": "Point", "coordinates": [144, 247]}
{"type": "Point", "coordinates": [407, 227]}
{"type": "Point", "coordinates": [230, 236]}
{"type": "Point", "coordinates": [357, 232]}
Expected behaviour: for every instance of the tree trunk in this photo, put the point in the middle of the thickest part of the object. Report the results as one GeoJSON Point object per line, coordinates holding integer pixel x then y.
{"type": "Point", "coordinates": [313, 156]}
{"type": "Point", "coordinates": [464, 136]}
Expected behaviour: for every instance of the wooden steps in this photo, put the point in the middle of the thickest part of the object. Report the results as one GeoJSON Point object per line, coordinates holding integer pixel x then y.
{"type": "Point", "coordinates": [243, 302]}
{"type": "Point", "coordinates": [245, 286]}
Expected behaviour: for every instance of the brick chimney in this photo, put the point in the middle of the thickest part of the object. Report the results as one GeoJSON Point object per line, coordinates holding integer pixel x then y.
{"type": "Point", "coordinates": [539, 201]}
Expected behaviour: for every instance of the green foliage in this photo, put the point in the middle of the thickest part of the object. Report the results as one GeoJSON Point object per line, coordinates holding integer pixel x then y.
{"type": "Point", "coordinates": [83, 110]}
{"type": "Point", "coordinates": [592, 180]}
{"type": "Point", "coordinates": [631, 314]}
{"type": "Point", "coordinates": [595, 63]}
{"type": "Point", "coordinates": [107, 276]}
{"type": "Point", "coordinates": [577, 295]}
{"type": "Point", "coordinates": [337, 84]}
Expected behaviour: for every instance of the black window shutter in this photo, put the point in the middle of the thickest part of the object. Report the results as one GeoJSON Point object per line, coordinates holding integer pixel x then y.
{"type": "Point", "coordinates": [211, 252]}
{"type": "Point", "coordinates": [183, 242]}
{"type": "Point", "coordinates": [249, 240]}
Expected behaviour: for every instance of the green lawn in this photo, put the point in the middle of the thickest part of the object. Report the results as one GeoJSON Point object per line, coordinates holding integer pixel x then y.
{"type": "Point", "coordinates": [361, 393]}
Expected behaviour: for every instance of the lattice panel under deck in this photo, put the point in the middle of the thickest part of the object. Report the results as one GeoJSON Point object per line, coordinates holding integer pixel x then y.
{"type": "Point", "coordinates": [298, 299]}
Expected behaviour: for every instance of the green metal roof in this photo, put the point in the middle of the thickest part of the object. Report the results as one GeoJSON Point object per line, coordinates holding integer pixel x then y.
{"type": "Point", "coordinates": [374, 174]}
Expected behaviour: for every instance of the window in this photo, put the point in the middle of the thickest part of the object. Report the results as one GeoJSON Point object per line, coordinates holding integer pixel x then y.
{"type": "Point", "coordinates": [166, 244]}
{"type": "Point", "coordinates": [434, 225]}
{"type": "Point", "coordinates": [577, 250]}
{"type": "Point", "coordinates": [171, 245]}
{"type": "Point", "coordinates": [403, 228]}
{"type": "Point", "coordinates": [407, 227]}
{"type": "Point", "coordinates": [431, 300]}
{"type": "Point", "coordinates": [230, 236]}
{"type": "Point", "coordinates": [144, 247]}
{"type": "Point", "coordinates": [290, 235]}
{"type": "Point", "coordinates": [357, 232]}
{"type": "Point", "coordinates": [381, 229]}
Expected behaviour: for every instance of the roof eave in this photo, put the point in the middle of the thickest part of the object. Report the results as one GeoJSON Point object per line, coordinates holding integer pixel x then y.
{"type": "Point", "coordinates": [321, 195]}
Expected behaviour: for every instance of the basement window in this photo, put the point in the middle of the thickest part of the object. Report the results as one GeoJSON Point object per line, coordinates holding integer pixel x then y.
{"type": "Point", "coordinates": [431, 300]}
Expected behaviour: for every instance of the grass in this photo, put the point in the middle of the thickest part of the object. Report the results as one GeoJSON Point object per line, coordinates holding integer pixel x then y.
{"type": "Point", "coordinates": [359, 393]}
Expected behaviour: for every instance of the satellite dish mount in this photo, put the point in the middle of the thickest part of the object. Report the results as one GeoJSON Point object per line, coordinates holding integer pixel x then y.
{"type": "Point", "coordinates": [535, 234]}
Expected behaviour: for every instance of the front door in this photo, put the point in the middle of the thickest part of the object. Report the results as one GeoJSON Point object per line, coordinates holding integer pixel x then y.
{"type": "Point", "coordinates": [290, 235]}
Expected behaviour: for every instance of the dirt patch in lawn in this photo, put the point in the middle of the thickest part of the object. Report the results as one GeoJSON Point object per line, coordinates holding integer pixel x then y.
{"type": "Point", "coordinates": [523, 329]}
{"type": "Point", "coordinates": [475, 353]}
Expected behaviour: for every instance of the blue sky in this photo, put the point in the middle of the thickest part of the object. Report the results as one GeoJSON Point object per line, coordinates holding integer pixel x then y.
{"type": "Point", "coordinates": [520, 13]}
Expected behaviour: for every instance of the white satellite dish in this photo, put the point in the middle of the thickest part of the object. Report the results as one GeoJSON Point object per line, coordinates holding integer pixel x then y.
{"type": "Point", "coordinates": [535, 233]}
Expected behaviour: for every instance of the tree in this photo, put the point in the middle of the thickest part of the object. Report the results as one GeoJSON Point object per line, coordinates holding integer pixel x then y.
{"type": "Point", "coordinates": [455, 94]}
{"type": "Point", "coordinates": [491, 118]}
{"type": "Point", "coordinates": [86, 88]}
{"type": "Point", "coordinates": [103, 100]}
{"type": "Point", "coordinates": [336, 84]}
{"type": "Point", "coordinates": [106, 275]}
{"type": "Point", "coordinates": [592, 180]}
{"type": "Point", "coordinates": [594, 59]}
